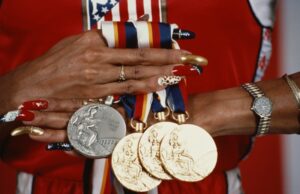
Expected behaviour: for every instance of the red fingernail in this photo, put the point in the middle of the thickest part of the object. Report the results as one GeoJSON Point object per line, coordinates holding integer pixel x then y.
{"type": "Point", "coordinates": [185, 70]}
{"type": "Point", "coordinates": [34, 105]}
{"type": "Point", "coordinates": [25, 115]}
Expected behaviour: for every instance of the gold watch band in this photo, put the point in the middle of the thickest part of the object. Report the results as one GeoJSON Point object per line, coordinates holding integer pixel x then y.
{"type": "Point", "coordinates": [264, 121]}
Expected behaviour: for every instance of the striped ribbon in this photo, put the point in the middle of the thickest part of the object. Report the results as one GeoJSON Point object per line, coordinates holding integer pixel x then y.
{"type": "Point", "coordinates": [122, 10]}
{"type": "Point", "coordinates": [177, 97]}
{"type": "Point", "coordinates": [159, 101]}
{"type": "Point", "coordinates": [138, 34]}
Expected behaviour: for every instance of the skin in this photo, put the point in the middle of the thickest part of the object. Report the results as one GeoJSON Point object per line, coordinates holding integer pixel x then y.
{"type": "Point", "coordinates": [226, 112]}
{"type": "Point", "coordinates": [78, 68]}
{"type": "Point", "coordinates": [82, 67]}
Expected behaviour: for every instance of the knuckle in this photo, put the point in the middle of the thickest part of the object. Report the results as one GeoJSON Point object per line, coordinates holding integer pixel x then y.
{"type": "Point", "coordinates": [89, 55]}
{"type": "Point", "coordinates": [89, 75]}
{"type": "Point", "coordinates": [142, 55]}
{"type": "Point", "coordinates": [87, 37]}
{"type": "Point", "coordinates": [136, 72]}
{"type": "Point", "coordinates": [129, 87]}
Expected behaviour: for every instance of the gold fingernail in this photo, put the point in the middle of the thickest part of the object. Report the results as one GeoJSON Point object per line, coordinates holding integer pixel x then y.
{"type": "Point", "coordinates": [27, 130]}
{"type": "Point", "coordinates": [169, 80]}
{"type": "Point", "coordinates": [37, 131]}
{"type": "Point", "coordinates": [194, 59]}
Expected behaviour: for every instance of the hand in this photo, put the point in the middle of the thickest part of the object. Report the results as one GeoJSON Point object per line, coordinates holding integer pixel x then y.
{"type": "Point", "coordinates": [82, 67]}
{"type": "Point", "coordinates": [228, 112]}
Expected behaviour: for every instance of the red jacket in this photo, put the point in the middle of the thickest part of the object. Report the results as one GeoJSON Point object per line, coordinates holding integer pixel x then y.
{"type": "Point", "coordinates": [231, 34]}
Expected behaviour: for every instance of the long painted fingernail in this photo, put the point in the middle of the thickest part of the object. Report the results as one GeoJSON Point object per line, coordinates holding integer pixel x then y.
{"type": "Point", "coordinates": [25, 115]}
{"type": "Point", "coordinates": [34, 105]}
{"type": "Point", "coordinates": [27, 130]}
{"type": "Point", "coordinates": [169, 80]}
{"type": "Point", "coordinates": [59, 146]}
{"type": "Point", "coordinates": [194, 59]}
{"type": "Point", "coordinates": [187, 70]}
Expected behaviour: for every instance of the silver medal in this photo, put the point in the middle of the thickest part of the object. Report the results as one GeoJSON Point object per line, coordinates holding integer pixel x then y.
{"type": "Point", "coordinates": [95, 129]}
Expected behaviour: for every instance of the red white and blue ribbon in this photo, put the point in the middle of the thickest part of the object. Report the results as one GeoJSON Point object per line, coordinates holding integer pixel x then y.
{"type": "Point", "coordinates": [97, 11]}
{"type": "Point", "coordinates": [177, 97]}
{"type": "Point", "coordinates": [140, 34]}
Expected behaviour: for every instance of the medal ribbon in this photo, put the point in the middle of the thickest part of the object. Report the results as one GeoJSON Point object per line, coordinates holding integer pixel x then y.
{"type": "Point", "coordinates": [177, 97]}
{"type": "Point", "coordinates": [159, 101]}
{"type": "Point", "coordinates": [139, 34]}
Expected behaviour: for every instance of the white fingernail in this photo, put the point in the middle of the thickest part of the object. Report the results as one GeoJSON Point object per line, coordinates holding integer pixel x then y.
{"type": "Point", "coordinates": [169, 80]}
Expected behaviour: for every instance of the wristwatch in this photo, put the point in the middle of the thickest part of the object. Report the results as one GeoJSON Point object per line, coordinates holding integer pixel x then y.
{"type": "Point", "coordinates": [262, 107]}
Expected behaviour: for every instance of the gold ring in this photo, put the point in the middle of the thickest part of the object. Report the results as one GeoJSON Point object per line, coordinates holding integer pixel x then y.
{"type": "Point", "coordinates": [122, 76]}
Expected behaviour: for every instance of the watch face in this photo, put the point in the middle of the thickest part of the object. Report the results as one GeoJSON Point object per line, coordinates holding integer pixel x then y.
{"type": "Point", "coordinates": [262, 106]}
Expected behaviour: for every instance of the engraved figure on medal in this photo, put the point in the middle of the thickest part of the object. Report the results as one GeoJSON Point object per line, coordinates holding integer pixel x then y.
{"type": "Point", "coordinates": [149, 149]}
{"type": "Point", "coordinates": [188, 153]}
{"type": "Point", "coordinates": [127, 168]}
{"type": "Point", "coordinates": [95, 129]}
{"type": "Point", "coordinates": [179, 157]}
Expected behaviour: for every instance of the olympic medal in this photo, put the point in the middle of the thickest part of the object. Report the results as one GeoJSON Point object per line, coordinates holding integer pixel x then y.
{"type": "Point", "coordinates": [95, 129]}
{"type": "Point", "coordinates": [127, 168]}
{"type": "Point", "coordinates": [149, 147]}
{"type": "Point", "coordinates": [188, 153]}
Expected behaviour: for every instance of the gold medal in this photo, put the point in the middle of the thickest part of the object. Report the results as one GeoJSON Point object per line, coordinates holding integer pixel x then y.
{"type": "Point", "coordinates": [149, 148]}
{"type": "Point", "coordinates": [188, 153]}
{"type": "Point", "coordinates": [127, 168]}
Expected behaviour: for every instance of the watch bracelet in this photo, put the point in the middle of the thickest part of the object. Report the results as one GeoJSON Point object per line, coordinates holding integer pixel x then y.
{"type": "Point", "coordinates": [294, 88]}
{"type": "Point", "coordinates": [264, 126]}
{"type": "Point", "coordinates": [253, 90]}
{"type": "Point", "coordinates": [264, 123]}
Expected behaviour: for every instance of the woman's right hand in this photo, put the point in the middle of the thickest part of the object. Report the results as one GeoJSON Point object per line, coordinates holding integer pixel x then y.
{"type": "Point", "coordinates": [82, 67]}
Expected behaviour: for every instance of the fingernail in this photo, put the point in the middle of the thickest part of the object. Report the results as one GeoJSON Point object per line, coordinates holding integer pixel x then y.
{"type": "Point", "coordinates": [186, 52]}
{"type": "Point", "coordinates": [194, 59]}
{"type": "Point", "coordinates": [180, 34]}
{"type": "Point", "coordinates": [169, 80]}
{"type": "Point", "coordinates": [187, 70]}
{"type": "Point", "coordinates": [144, 17]}
{"type": "Point", "coordinates": [27, 130]}
{"type": "Point", "coordinates": [25, 115]}
{"type": "Point", "coordinates": [34, 105]}
{"type": "Point", "coordinates": [59, 146]}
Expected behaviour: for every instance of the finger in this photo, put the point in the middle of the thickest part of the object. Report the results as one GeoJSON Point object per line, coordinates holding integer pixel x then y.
{"type": "Point", "coordinates": [63, 105]}
{"type": "Point", "coordinates": [130, 72]}
{"type": "Point", "coordinates": [127, 87]}
{"type": "Point", "coordinates": [144, 17]}
{"type": "Point", "coordinates": [141, 72]}
{"type": "Point", "coordinates": [51, 135]}
{"type": "Point", "coordinates": [56, 120]}
{"type": "Point", "coordinates": [143, 56]}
